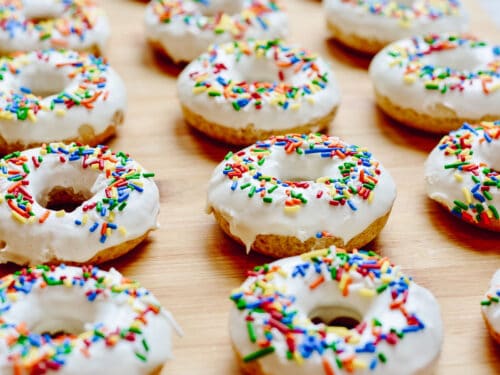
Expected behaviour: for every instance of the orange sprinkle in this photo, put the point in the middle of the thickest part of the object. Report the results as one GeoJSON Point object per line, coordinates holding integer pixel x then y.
{"type": "Point", "coordinates": [327, 367]}
{"type": "Point", "coordinates": [44, 217]}
{"type": "Point", "coordinates": [317, 282]}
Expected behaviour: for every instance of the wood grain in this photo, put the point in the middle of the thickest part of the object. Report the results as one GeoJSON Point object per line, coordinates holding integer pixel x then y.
{"type": "Point", "coordinates": [192, 267]}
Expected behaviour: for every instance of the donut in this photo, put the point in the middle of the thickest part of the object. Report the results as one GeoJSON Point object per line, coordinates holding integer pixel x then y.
{"type": "Point", "coordinates": [462, 174]}
{"type": "Point", "coordinates": [294, 193]}
{"type": "Point", "coordinates": [367, 26]}
{"type": "Point", "coordinates": [80, 320]}
{"type": "Point", "coordinates": [332, 312]}
{"type": "Point", "coordinates": [31, 25]}
{"type": "Point", "coordinates": [184, 29]}
{"type": "Point", "coordinates": [241, 92]}
{"type": "Point", "coordinates": [73, 204]}
{"type": "Point", "coordinates": [490, 307]}
{"type": "Point", "coordinates": [437, 82]}
{"type": "Point", "coordinates": [55, 95]}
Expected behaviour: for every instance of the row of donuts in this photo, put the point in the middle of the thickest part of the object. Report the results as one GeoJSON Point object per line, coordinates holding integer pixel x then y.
{"type": "Point", "coordinates": [271, 326]}
{"type": "Point", "coordinates": [328, 255]}
{"type": "Point", "coordinates": [70, 200]}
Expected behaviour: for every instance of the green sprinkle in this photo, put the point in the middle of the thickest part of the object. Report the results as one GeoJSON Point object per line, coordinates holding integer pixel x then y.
{"type": "Point", "coordinates": [270, 191]}
{"type": "Point", "coordinates": [141, 356]}
{"type": "Point", "coordinates": [149, 174]}
{"type": "Point", "coordinates": [244, 186]}
{"type": "Point", "coordinates": [267, 200]}
{"type": "Point", "coordinates": [258, 354]}
{"type": "Point", "coordinates": [381, 288]}
{"type": "Point", "coordinates": [145, 345]}
{"type": "Point", "coordinates": [456, 165]}
{"type": "Point", "coordinates": [494, 211]}
{"type": "Point", "coordinates": [228, 155]}
{"type": "Point", "coordinates": [251, 332]}
{"type": "Point", "coordinates": [461, 204]}
{"type": "Point", "coordinates": [485, 303]}
{"type": "Point", "coordinates": [382, 357]}
{"type": "Point", "coordinates": [252, 192]}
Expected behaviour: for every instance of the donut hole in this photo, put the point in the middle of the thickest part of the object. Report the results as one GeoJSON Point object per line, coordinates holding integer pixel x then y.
{"type": "Point", "coordinates": [459, 59]}
{"type": "Point", "coordinates": [59, 326]}
{"type": "Point", "coordinates": [336, 316]}
{"type": "Point", "coordinates": [64, 198]}
{"type": "Point", "coordinates": [215, 7]}
{"type": "Point", "coordinates": [41, 80]}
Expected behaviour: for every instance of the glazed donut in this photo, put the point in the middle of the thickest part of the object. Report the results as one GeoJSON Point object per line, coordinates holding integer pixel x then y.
{"type": "Point", "coordinates": [73, 320]}
{"type": "Point", "coordinates": [368, 26]}
{"type": "Point", "coordinates": [332, 312]}
{"type": "Point", "coordinates": [437, 82]}
{"type": "Point", "coordinates": [184, 29]}
{"type": "Point", "coordinates": [58, 95]}
{"type": "Point", "coordinates": [290, 194]}
{"type": "Point", "coordinates": [32, 25]}
{"type": "Point", "coordinates": [245, 91]}
{"type": "Point", "coordinates": [462, 174]}
{"type": "Point", "coordinates": [490, 307]}
{"type": "Point", "coordinates": [73, 204]}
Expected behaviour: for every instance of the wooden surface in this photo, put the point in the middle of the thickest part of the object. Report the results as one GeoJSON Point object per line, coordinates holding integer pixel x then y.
{"type": "Point", "coordinates": [192, 267]}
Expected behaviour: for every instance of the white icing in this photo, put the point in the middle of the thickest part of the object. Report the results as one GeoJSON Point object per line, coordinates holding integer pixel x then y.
{"type": "Point", "coordinates": [184, 41]}
{"type": "Point", "coordinates": [356, 20]}
{"type": "Point", "coordinates": [388, 78]}
{"type": "Point", "coordinates": [62, 308]}
{"type": "Point", "coordinates": [492, 312]}
{"type": "Point", "coordinates": [41, 73]}
{"type": "Point", "coordinates": [415, 354]}
{"type": "Point", "coordinates": [59, 236]}
{"type": "Point", "coordinates": [443, 185]}
{"type": "Point", "coordinates": [253, 68]}
{"type": "Point", "coordinates": [249, 217]}
{"type": "Point", "coordinates": [25, 37]}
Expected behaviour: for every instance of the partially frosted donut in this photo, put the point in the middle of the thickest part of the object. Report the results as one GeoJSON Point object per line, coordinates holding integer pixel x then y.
{"type": "Point", "coordinates": [368, 26]}
{"type": "Point", "coordinates": [437, 82]}
{"type": "Point", "coordinates": [241, 92]}
{"type": "Point", "coordinates": [184, 29]}
{"type": "Point", "coordinates": [73, 204]}
{"type": "Point", "coordinates": [71, 320]}
{"type": "Point", "coordinates": [290, 194]}
{"type": "Point", "coordinates": [462, 174]}
{"type": "Point", "coordinates": [31, 25]}
{"type": "Point", "coordinates": [58, 95]}
{"type": "Point", "coordinates": [330, 312]}
{"type": "Point", "coordinates": [490, 307]}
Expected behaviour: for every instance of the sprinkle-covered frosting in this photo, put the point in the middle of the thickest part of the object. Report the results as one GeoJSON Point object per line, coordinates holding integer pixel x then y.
{"type": "Point", "coordinates": [29, 25]}
{"type": "Point", "coordinates": [47, 95]}
{"type": "Point", "coordinates": [384, 21]}
{"type": "Point", "coordinates": [123, 204]}
{"type": "Point", "coordinates": [268, 84]}
{"type": "Point", "coordinates": [457, 73]}
{"type": "Point", "coordinates": [405, 13]}
{"type": "Point", "coordinates": [462, 173]}
{"type": "Point", "coordinates": [185, 28]}
{"type": "Point", "coordinates": [490, 306]}
{"type": "Point", "coordinates": [271, 322]}
{"type": "Point", "coordinates": [115, 315]}
{"type": "Point", "coordinates": [304, 185]}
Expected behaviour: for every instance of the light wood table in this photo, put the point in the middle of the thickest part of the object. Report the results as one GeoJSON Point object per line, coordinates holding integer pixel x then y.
{"type": "Point", "coordinates": [192, 267]}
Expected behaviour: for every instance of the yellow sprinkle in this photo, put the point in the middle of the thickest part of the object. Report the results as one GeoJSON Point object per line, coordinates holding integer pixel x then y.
{"type": "Point", "coordinates": [314, 254]}
{"type": "Point", "coordinates": [12, 296]}
{"type": "Point", "coordinates": [295, 107]}
{"type": "Point", "coordinates": [292, 209]}
{"type": "Point", "coordinates": [386, 279]}
{"type": "Point", "coordinates": [311, 100]}
{"type": "Point", "coordinates": [365, 292]}
{"type": "Point", "coordinates": [60, 112]}
{"type": "Point", "coordinates": [67, 283]}
{"type": "Point", "coordinates": [86, 335]}
{"type": "Point", "coordinates": [343, 281]}
{"type": "Point", "coordinates": [199, 89]}
{"type": "Point", "coordinates": [359, 364]}
{"type": "Point", "coordinates": [60, 213]}
{"type": "Point", "coordinates": [458, 177]}
{"type": "Point", "coordinates": [298, 358]}
{"type": "Point", "coordinates": [122, 231]}
{"type": "Point", "coordinates": [18, 217]}
{"type": "Point", "coordinates": [31, 116]}
{"type": "Point", "coordinates": [409, 78]}
{"type": "Point", "coordinates": [108, 232]}
{"type": "Point", "coordinates": [370, 197]}
{"type": "Point", "coordinates": [467, 194]}
{"type": "Point", "coordinates": [339, 331]}
{"type": "Point", "coordinates": [354, 339]}
{"type": "Point", "coordinates": [111, 217]}
{"type": "Point", "coordinates": [85, 218]}
{"type": "Point", "coordinates": [385, 266]}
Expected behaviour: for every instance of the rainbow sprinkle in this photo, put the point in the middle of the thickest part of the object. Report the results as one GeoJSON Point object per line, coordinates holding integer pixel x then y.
{"type": "Point", "coordinates": [273, 315]}
{"type": "Point", "coordinates": [123, 181]}
{"type": "Point", "coordinates": [40, 353]}
{"type": "Point", "coordinates": [406, 13]}
{"type": "Point", "coordinates": [255, 13]}
{"type": "Point", "coordinates": [358, 172]}
{"type": "Point", "coordinates": [214, 82]}
{"type": "Point", "coordinates": [477, 206]}
{"type": "Point", "coordinates": [21, 104]}
{"type": "Point", "coordinates": [442, 78]}
{"type": "Point", "coordinates": [77, 19]}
